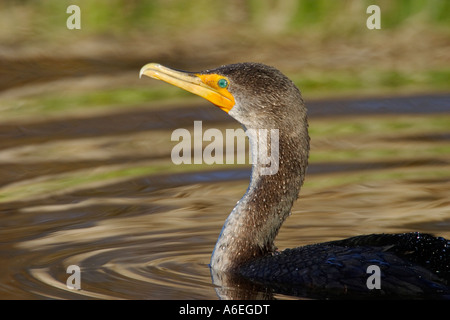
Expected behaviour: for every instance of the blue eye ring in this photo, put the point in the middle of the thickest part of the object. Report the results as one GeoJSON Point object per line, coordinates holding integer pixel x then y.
{"type": "Point", "coordinates": [222, 83]}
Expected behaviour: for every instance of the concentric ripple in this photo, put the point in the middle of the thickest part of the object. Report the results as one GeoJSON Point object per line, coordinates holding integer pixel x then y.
{"type": "Point", "coordinates": [122, 270]}
{"type": "Point", "coordinates": [101, 192]}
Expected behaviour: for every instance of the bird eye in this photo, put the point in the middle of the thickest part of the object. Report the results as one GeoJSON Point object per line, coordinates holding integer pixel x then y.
{"type": "Point", "coordinates": [223, 83]}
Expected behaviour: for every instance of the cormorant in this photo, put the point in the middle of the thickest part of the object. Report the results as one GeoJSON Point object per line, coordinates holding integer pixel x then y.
{"type": "Point", "coordinates": [261, 97]}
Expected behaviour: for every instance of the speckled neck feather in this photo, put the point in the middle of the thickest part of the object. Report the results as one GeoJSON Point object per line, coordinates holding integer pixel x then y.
{"type": "Point", "coordinates": [252, 226]}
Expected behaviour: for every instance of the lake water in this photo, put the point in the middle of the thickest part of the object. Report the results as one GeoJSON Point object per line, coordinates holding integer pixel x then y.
{"type": "Point", "coordinates": [100, 191]}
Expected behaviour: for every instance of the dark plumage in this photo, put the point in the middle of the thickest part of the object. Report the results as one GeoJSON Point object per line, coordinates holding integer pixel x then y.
{"type": "Point", "coordinates": [412, 265]}
{"type": "Point", "coordinates": [261, 97]}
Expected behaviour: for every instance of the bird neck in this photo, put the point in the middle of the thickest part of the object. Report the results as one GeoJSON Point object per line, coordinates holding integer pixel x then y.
{"type": "Point", "coordinates": [277, 175]}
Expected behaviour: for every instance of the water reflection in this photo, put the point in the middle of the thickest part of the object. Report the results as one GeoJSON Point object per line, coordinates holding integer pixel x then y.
{"type": "Point", "coordinates": [100, 192]}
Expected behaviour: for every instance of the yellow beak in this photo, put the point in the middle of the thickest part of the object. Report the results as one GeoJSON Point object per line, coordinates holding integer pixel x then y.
{"type": "Point", "coordinates": [204, 85]}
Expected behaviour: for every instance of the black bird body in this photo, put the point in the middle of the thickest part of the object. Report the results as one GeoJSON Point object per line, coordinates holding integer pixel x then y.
{"type": "Point", "coordinates": [412, 265]}
{"type": "Point", "coordinates": [261, 97]}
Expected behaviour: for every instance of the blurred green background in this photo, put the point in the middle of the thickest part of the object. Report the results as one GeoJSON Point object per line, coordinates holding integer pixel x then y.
{"type": "Point", "coordinates": [323, 45]}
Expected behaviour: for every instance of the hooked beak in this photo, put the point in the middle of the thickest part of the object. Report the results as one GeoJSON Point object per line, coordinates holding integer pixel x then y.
{"type": "Point", "coordinates": [204, 85]}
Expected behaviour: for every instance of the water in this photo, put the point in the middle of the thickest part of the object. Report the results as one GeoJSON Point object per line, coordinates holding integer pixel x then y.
{"type": "Point", "coordinates": [99, 191]}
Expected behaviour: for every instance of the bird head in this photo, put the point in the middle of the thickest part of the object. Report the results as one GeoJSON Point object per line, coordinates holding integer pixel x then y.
{"type": "Point", "coordinates": [254, 94]}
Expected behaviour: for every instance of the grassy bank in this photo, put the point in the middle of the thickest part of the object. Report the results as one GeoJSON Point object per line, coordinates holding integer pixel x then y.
{"type": "Point", "coordinates": [47, 19]}
{"type": "Point", "coordinates": [323, 45]}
